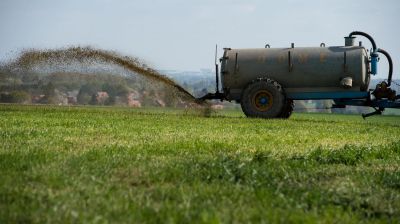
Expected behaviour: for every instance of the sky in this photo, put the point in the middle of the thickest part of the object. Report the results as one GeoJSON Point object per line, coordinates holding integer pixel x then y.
{"type": "Point", "coordinates": [182, 34]}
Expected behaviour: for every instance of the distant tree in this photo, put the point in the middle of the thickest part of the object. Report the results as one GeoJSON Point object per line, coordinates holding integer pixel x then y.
{"type": "Point", "coordinates": [5, 98]}
{"type": "Point", "coordinates": [112, 93]}
{"type": "Point", "coordinates": [114, 90]}
{"type": "Point", "coordinates": [49, 92]}
{"type": "Point", "coordinates": [170, 97]}
{"type": "Point", "coordinates": [3, 77]}
{"type": "Point", "coordinates": [49, 89]}
{"type": "Point", "coordinates": [30, 78]}
{"type": "Point", "coordinates": [86, 93]}
{"type": "Point", "coordinates": [15, 97]}
{"type": "Point", "coordinates": [93, 100]}
{"type": "Point", "coordinates": [83, 98]}
{"type": "Point", "coordinates": [16, 82]}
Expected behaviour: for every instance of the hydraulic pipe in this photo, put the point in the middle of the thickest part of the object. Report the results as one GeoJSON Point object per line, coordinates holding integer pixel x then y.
{"type": "Point", "coordinates": [390, 64]}
{"type": "Point", "coordinates": [374, 55]}
{"type": "Point", "coordinates": [216, 71]}
{"type": "Point", "coordinates": [365, 35]}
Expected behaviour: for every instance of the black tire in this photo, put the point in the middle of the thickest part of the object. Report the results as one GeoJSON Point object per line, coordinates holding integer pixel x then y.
{"type": "Point", "coordinates": [263, 98]}
{"type": "Point", "coordinates": [287, 109]}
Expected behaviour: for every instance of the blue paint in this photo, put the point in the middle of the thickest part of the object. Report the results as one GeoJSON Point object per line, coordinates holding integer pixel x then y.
{"type": "Point", "coordinates": [264, 100]}
{"type": "Point", "coordinates": [386, 104]}
{"type": "Point", "coordinates": [327, 95]}
{"type": "Point", "coordinates": [382, 103]}
{"type": "Point", "coordinates": [374, 63]}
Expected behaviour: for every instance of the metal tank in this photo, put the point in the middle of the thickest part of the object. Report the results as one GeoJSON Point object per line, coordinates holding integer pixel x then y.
{"type": "Point", "coordinates": [266, 81]}
{"type": "Point", "coordinates": [303, 69]}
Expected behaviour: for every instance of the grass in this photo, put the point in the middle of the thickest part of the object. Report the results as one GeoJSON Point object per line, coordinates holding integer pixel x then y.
{"type": "Point", "coordinates": [88, 164]}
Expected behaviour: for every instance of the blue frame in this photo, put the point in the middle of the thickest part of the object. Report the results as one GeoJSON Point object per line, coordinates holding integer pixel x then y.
{"type": "Point", "coordinates": [327, 95]}
{"type": "Point", "coordinates": [383, 103]}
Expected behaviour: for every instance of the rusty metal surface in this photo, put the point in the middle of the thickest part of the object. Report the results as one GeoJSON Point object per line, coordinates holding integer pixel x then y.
{"type": "Point", "coordinates": [296, 69]}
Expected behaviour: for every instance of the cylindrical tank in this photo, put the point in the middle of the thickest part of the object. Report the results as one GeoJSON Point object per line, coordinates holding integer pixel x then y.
{"type": "Point", "coordinates": [299, 69]}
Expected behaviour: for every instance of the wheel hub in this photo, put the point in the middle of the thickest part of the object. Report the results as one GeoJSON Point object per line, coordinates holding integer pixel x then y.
{"type": "Point", "coordinates": [262, 100]}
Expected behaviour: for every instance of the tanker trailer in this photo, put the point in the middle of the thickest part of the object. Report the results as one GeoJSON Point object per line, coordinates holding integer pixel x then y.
{"type": "Point", "coordinates": [265, 81]}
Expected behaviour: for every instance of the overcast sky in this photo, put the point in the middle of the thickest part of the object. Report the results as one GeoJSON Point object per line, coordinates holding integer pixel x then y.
{"type": "Point", "coordinates": [181, 34]}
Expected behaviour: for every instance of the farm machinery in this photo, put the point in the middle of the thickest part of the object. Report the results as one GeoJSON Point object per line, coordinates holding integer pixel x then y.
{"type": "Point", "coordinates": [265, 81]}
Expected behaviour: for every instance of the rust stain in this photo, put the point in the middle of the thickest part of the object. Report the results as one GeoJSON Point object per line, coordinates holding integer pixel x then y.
{"type": "Point", "coordinates": [303, 58]}
{"type": "Point", "coordinates": [261, 59]}
{"type": "Point", "coordinates": [322, 57]}
{"type": "Point", "coordinates": [282, 58]}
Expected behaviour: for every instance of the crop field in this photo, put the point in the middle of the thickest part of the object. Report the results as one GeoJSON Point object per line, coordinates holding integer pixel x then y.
{"type": "Point", "coordinates": [104, 164]}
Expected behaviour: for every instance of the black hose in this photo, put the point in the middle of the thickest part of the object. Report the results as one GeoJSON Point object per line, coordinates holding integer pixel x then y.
{"type": "Point", "coordinates": [365, 35]}
{"type": "Point", "coordinates": [390, 64]}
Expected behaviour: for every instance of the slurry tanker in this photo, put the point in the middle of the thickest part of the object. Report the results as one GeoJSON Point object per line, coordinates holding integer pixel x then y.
{"type": "Point", "coordinates": [265, 81]}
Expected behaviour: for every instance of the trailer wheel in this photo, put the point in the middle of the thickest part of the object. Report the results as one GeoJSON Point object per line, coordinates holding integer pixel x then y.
{"type": "Point", "coordinates": [263, 98]}
{"type": "Point", "coordinates": [287, 109]}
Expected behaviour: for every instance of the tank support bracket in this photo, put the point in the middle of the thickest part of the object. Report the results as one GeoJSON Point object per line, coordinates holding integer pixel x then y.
{"type": "Point", "coordinates": [376, 112]}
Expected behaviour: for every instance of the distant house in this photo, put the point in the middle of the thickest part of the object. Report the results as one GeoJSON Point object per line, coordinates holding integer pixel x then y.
{"type": "Point", "coordinates": [72, 100]}
{"type": "Point", "coordinates": [101, 97]}
{"type": "Point", "coordinates": [72, 97]}
{"type": "Point", "coordinates": [133, 99]}
{"type": "Point", "coordinates": [134, 103]}
{"type": "Point", "coordinates": [37, 98]}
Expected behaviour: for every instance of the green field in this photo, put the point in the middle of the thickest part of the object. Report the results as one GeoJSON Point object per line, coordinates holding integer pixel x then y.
{"type": "Point", "coordinates": [91, 164]}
